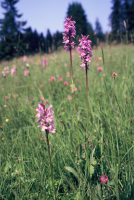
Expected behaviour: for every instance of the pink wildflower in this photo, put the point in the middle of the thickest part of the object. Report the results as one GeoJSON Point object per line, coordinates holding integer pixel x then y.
{"type": "Point", "coordinates": [69, 33]}
{"type": "Point", "coordinates": [65, 64]}
{"type": "Point", "coordinates": [6, 97]}
{"type": "Point", "coordinates": [42, 86]}
{"type": "Point", "coordinates": [41, 98]}
{"type": "Point", "coordinates": [45, 117]}
{"type": "Point", "coordinates": [69, 97]}
{"type": "Point", "coordinates": [99, 69]}
{"type": "Point", "coordinates": [52, 79]}
{"type": "Point", "coordinates": [6, 69]}
{"type": "Point", "coordinates": [60, 79]}
{"type": "Point", "coordinates": [104, 75]}
{"type": "Point", "coordinates": [74, 89]}
{"type": "Point", "coordinates": [45, 62]}
{"type": "Point", "coordinates": [103, 179]}
{"type": "Point", "coordinates": [13, 70]}
{"type": "Point", "coordinates": [24, 58]}
{"type": "Point", "coordinates": [68, 74]}
{"type": "Point", "coordinates": [25, 73]}
{"type": "Point", "coordinates": [85, 51]}
{"type": "Point", "coordinates": [65, 83]}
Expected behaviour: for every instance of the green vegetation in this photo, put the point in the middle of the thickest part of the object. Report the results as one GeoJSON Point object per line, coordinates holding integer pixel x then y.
{"type": "Point", "coordinates": [24, 161]}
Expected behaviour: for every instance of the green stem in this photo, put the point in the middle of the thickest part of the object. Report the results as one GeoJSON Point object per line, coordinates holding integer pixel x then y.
{"type": "Point", "coordinates": [87, 105]}
{"type": "Point", "coordinates": [74, 96]}
{"type": "Point", "coordinates": [50, 164]}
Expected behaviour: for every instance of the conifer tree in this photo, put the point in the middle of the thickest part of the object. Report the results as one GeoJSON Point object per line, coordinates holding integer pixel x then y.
{"type": "Point", "coordinates": [76, 10]}
{"type": "Point", "coordinates": [10, 29]}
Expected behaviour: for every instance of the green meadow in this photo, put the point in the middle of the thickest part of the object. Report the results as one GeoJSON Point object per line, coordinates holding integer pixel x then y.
{"type": "Point", "coordinates": [77, 169]}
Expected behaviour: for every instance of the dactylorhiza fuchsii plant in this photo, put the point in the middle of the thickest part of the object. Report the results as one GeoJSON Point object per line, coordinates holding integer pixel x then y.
{"type": "Point", "coordinates": [68, 35]}
{"type": "Point", "coordinates": [85, 52]}
{"type": "Point", "coordinates": [45, 118]}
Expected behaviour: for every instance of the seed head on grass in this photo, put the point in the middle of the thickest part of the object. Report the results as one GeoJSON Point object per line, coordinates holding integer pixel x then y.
{"type": "Point", "coordinates": [69, 33]}
{"type": "Point", "coordinates": [85, 51]}
{"type": "Point", "coordinates": [114, 74]}
{"type": "Point", "coordinates": [45, 117]}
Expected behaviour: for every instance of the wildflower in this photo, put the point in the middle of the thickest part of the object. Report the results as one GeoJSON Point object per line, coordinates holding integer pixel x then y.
{"type": "Point", "coordinates": [42, 86]}
{"type": "Point", "coordinates": [6, 69]}
{"type": "Point", "coordinates": [103, 179]}
{"type": "Point", "coordinates": [45, 62]}
{"type": "Point", "coordinates": [24, 58]}
{"type": "Point", "coordinates": [85, 51]}
{"type": "Point", "coordinates": [7, 120]}
{"type": "Point", "coordinates": [60, 79]}
{"type": "Point", "coordinates": [68, 74]}
{"type": "Point", "coordinates": [27, 65]}
{"type": "Point", "coordinates": [6, 97]}
{"type": "Point", "coordinates": [114, 74]}
{"type": "Point", "coordinates": [5, 106]}
{"type": "Point", "coordinates": [13, 70]}
{"type": "Point", "coordinates": [52, 79]}
{"type": "Point", "coordinates": [69, 97]}
{"type": "Point", "coordinates": [65, 83]}
{"type": "Point", "coordinates": [45, 117]}
{"type": "Point", "coordinates": [74, 89]}
{"type": "Point", "coordinates": [65, 64]}
{"type": "Point", "coordinates": [104, 75]}
{"type": "Point", "coordinates": [26, 72]}
{"type": "Point", "coordinates": [69, 33]}
{"type": "Point", "coordinates": [99, 69]}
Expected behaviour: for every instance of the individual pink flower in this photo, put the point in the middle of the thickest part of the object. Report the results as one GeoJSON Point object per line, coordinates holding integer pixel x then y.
{"type": "Point", "coordinates": [6, 97]}
{"type": "Point", "coordinates": [65, 64]}
{"type": "Point", "coordinates": [103, 179]}
{"type": "Point", "coordinates": [99, 69]}
{"type": "Point", "coordinates": [68, 74]}
{"type": "Point", "coordinates": [85, 51]}
{"type": "Point", "coordinates": [104, 75]}
{"type": "Point", "coordinates": [74, 89]}
{"type": "Point", "coordinates": [51, 79]}
{"type": "Point", "coordinates": [6, 69]}
{"type": "Point", "coordinates": [45, 62]}
{"type": "Point", "coordinates": [24, 58]}
{"type": "Point", "coordinates": [65, 83]}
{"type": "Point", "coordinates": [69, 33]}
{"type": "Point", "coordinates": [41, 98]}
{"type": "Point", "coordinates": [25, 72]}
{"type": "Point", "coordinates": [78, 81]}
{"type": "Point", "coordinates": [42, 86]}
{"type": "Point", "coordinates": [13, 70]}
{"type": "Point", "coordinates": [45, 117]}
{"type": "Point", "coordinates": [60, 79]}
{"type": "Point", "coordinates": [69, 97]}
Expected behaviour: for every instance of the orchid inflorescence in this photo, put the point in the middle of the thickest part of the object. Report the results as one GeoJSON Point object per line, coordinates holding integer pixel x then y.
{"type": "Point", "coordinates": [85, 51]}
{"type": "Point", "coordinates": [45, 117]}
{"type": "Point", "coordinates": [69, 33]}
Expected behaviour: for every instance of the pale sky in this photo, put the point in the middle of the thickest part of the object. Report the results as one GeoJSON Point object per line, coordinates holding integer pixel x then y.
{"type": "Point", "coordinates": [50, 14]}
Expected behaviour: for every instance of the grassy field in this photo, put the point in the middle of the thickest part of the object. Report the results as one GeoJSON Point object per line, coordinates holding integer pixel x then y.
{"type": "Point", "coordinates": [24, 162]}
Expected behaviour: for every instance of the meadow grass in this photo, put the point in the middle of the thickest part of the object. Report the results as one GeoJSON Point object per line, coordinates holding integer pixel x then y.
{"type": "Point", "coordinates": [24, 161]}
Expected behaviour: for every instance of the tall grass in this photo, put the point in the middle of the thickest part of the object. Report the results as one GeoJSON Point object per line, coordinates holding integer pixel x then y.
{"type": "Point", "coordinates": [24, 161]}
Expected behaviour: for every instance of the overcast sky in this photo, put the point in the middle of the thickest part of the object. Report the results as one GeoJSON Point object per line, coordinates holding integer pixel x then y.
{"type": "Point", "coordinates": [50, 14]}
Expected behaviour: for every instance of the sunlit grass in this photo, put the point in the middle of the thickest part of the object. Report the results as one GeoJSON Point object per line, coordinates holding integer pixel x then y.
{"type": "Point", "coordinates": [24, 166]}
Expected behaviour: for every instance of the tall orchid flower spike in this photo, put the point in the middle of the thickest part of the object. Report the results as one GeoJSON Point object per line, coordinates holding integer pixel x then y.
{"type": "Point", "coordinates": [69, 33]}
{"type": "Point", "coordinates": [85, 51]}
{"type": "Point", "coordinates": [45, 117]}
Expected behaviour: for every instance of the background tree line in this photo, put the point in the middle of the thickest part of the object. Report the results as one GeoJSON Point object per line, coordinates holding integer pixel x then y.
{"type": "Point", "coordinates": [16, 40]}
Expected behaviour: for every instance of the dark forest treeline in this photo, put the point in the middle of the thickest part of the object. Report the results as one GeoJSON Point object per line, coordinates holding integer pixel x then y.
{"type": "Point", "coordinates": [16, 40]}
